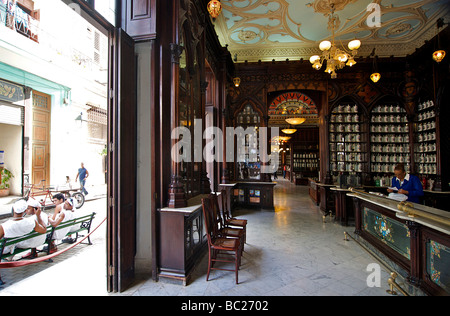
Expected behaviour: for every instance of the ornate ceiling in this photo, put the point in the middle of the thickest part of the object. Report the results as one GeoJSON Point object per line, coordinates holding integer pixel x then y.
{"type": "Point", "coordinates": [280, 29]}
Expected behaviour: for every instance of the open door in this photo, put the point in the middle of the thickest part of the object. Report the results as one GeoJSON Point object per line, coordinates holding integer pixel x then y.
{"type": "Point", "coordinates": [121, 231]}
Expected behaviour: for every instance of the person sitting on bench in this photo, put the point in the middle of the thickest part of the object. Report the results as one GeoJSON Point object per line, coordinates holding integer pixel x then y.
{"type": "Point", "coordinates": [58, 199]}
{"type": "Point", "coordinates": [33, 207]}
{"type": "Point", "coordinates": [63, 214]}
{"type": "Point", "coordinates": [19, 226]}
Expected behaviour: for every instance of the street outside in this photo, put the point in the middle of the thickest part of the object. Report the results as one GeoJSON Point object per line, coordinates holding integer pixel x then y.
{"type": "Point", "coordinates": [79, 271]}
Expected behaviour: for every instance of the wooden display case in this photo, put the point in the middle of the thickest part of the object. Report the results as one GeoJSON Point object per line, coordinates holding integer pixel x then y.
{"type": "Point", "coordinates": [348, 144]}
{"type": "Point", "coordinates": [389, 139]}
{"type": "Point", "coordinates": [425, 147]}
{"type": "Point", "coordinates": [304, 157]}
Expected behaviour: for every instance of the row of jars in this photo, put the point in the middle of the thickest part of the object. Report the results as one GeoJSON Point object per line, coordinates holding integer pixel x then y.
{"type": "Point", "coordinates": [306, 165]}
{"type": "Point", "coordinates": [306, 155]}
{"type": "Point", "coordinates": [343, 166]}
{"type": "Point", "coordinates": [390, 138]}
{"type": "Point", "coordinates": [426, 115]}
{"type": "Point", "coordinates": [397, 158]}
{"type": "Point", "coordinates": [426, 158]}
{"type": "Point", "coordinates": [357, 147]}
{"type": "Point", "coordinates": [427, 168]}
{"type": "Point", "coordinates": [346, 109]}
{"type": "Point", "coordinates": [347, 157]}
{"type": "Point", "coordinates": [425, 105]}
{"type": "Point", "coordinates": [388, 168]}
{"type": "Point", "coordinates": [345, 138]}
{"type": "Point", "coordinates": [388, 109]}
{"type": "Point", "coordinates": [390, 148]}
{"type": "Point", "coordinates": [398, 118]}
{"type": "Point", "coordinates": [424, 148]}
{"type": "Point", "coordinates": [342, 118]}
{"type": "Point", "coordinates": [341, 128]}
{"type": "Point", "coordinates": [389, 128]}
{"type": "Point", "coordinates": [426, 126]}
{"type": "Point", "coordinates": [426, 137]}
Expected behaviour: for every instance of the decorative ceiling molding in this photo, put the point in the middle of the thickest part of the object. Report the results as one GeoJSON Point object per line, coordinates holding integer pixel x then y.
{"type": "Point", "coordinates": [265, 30]}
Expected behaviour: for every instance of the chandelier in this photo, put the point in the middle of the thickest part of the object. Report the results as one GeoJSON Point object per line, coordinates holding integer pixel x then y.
{"type": "Point", "coordinates": [335, 57]}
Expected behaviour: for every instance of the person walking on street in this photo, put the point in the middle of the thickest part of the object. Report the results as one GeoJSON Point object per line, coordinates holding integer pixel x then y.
{"type": "Point", "coordinates": [82, 174]}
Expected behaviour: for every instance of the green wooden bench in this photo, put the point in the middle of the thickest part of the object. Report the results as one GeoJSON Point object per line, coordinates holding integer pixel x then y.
{"type": "Point", "coordinates": [84, 223]}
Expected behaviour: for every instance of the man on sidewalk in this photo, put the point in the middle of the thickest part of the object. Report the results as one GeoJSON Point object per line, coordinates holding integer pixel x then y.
{"type": "Point", "coordinates": [83, 174]}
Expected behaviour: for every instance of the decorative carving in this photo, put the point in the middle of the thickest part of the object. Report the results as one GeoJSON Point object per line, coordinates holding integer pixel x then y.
{"type": "Point", "coordinates": [176, 51]}
{"type": "Point", "coordinates": [255, 29]}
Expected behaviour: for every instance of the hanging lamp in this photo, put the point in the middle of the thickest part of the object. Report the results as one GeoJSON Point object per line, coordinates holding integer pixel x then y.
{"type": "Point", "coordinates": [439, 54]}
{"type": "Point", "coordinates": [214, 8]}
{"type": "Point", "coordinates": [375, 76]}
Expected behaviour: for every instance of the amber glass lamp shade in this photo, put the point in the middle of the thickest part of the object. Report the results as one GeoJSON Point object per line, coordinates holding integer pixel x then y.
{"type": "Point", "coordinates": [289, 131]}
{"type": "Point", "coordinates": [237, 82]}
{"type": "Point", "coordinates": [439, 55]}
{"type": "Point", "coordinates": [214, 8]}
{"type": "Point", "coordinates": [296, 120]}
{"type": "Point", "coordinates": [375, 77]}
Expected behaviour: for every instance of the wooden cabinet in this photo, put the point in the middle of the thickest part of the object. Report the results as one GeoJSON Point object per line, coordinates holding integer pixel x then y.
{"type": "Point", "coordinates": [181, 251]}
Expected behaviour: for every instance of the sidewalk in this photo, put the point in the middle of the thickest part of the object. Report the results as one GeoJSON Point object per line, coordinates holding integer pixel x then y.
{"type": "Point", "coordinates": [6, 203]}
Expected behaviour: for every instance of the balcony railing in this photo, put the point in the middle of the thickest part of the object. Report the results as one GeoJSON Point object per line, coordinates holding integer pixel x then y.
{"type": "Point", "coordinates": [14, 17]}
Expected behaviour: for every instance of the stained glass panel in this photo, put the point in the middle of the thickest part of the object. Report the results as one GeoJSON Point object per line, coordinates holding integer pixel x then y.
{"type": "Point", "coordinates": [438, 264]}
{"type": "Point", "coordinates": [390, 232]}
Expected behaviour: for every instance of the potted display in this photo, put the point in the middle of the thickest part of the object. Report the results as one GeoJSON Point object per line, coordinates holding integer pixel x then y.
{"type": "Point", "coordinates": [6, 175]}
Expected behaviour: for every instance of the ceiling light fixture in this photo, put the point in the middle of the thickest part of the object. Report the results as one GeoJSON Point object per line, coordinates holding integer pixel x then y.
{"type": "Point", "coordinates": [289, 131]}
{"type": "Point", "coordinates": [335, 57]}
{"type": "Point", "coordinates": [214, 8]}
{"type": "Point", "coordinates": [296, 120]}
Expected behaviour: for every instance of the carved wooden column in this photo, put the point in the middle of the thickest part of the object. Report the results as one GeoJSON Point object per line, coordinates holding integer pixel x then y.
{"type": "Point", "coordinates": [177, 196]}
{"type": "Point", "coordinates": [205, 181]}
{"type": "Point", "coordinates": [224, 111]}
{"type": "Point", "coordinates": [265, 177]}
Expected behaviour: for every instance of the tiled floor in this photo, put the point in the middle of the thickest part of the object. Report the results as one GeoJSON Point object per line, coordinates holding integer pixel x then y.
{"type": "Point", "coordinates": [289, 252]}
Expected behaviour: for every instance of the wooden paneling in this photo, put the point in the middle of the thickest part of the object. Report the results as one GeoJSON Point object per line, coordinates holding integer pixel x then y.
{"type": "Point", "coordinates": [139, 18]}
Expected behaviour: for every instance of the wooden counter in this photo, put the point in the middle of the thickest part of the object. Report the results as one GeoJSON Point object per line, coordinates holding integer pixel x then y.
{"type": "Point", "coordinates": [415, 237]}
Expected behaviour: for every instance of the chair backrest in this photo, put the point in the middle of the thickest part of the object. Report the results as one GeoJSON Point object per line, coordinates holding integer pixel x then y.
{"type": "Point", "coordinates": [217, 214]}
{"type": "Point", "coordinates": [207, 215]}
{"type": "Point", "coordinates": [225, 211]}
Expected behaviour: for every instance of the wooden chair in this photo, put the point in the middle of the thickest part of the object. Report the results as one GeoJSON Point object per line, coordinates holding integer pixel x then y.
{"type": "Point", "coordinates": [230, 221]}
{"type": "Point", "coordinates": [223, 229]}
{"type": "Point", "coordinates": [218, 244]}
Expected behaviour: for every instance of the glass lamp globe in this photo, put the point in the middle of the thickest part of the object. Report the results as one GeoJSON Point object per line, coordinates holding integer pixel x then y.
{"type": "Point", "coordinates": [325, 45]}
{"type": "Point", "coordinates": [355, 44]}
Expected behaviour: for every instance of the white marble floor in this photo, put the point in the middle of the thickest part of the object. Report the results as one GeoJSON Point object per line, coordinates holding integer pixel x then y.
{"type": "Point", "coordinates": [289, 252]}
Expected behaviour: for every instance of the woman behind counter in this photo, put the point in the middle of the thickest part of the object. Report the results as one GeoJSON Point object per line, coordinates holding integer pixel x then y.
{"type": "Point", "coordinates": [407, 184]}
